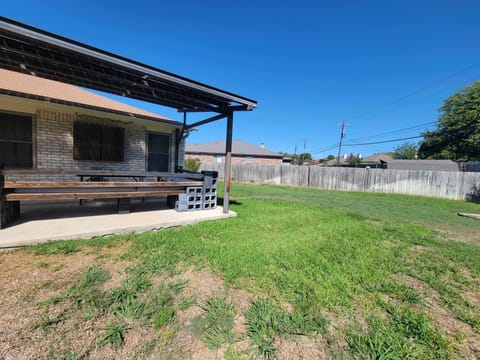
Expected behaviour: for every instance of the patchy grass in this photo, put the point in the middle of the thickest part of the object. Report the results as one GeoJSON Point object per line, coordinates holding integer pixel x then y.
{"type": "Point", "coordinates": [299, 273]}
{"type": "Point", "coordinates": [215, 326]}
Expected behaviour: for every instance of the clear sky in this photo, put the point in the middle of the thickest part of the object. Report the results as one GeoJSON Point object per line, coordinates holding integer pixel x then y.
{"type": "Point", "coordinates": [381, 66]}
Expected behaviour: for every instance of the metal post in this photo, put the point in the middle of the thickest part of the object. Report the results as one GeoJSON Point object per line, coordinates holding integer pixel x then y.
{"type": "Point", "coordinates": [228, 163]}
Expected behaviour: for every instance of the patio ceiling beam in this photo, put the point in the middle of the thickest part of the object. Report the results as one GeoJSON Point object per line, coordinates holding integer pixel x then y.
{"type": "Point", "coordinates": [206, 121]}
{"type": "Point", "coordinates": [33, 51]}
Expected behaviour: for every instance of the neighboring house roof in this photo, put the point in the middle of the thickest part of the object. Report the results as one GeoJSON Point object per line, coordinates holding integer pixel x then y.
{"type": "Point", "coordinates": [377, 158]}
{"type": "Point", "coordinates": [334, 161]}
{"type": "Point", "coordinates": [426, 165]}
{"type": "Point", "coordinates": [239, 147]}
{"type": "Point", "coordinates": [21, 85]}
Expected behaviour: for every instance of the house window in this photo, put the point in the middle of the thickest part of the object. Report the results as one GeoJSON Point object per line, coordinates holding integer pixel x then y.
{"type": "Point", "coordinates": [158, 152]}
{"type": "Point", "coordinates": [16, 141]}
{"type": "Point", "coordinates": [97, 142]}
{"type": "Point", "coordinates": [218, 159]}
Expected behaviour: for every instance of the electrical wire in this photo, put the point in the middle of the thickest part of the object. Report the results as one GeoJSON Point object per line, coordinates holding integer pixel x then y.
{"type": "Point", "coordinates": [386, 141]}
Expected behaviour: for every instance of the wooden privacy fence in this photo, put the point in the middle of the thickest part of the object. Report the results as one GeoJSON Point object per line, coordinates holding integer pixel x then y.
{"type": "Point", "coordinates": [442, 184]}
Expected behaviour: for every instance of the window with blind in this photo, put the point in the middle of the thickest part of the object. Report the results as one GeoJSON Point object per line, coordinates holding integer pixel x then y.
{"type": "Point", "coordinates": [98, 142]}
{"type": "Point", "coordinates": [16, 141]}
{"type": "Point", "coordinates": [158, 152]}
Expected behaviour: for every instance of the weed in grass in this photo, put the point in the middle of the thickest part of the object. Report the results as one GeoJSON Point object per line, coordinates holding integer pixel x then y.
{"type": "Point", "coordinates": [57, 247]}
{"type": "Point", "coordinates": [262, 320]}
{"type": "Point", "coordinates": [70, 356]}
{"type": "Point", "coordinates": [115, 335]}
{"type": "Point", "coordinates": [185, 303]}
{"type": "Point", "coordinates": [266, 322]}
{"type": "Point", "coordinates": [163, 317]}
{"type": "Point", "coordinates": [130, 308]}
{"type": "Point", "coordinates": [95, 276]}
{"type": "Point", "coordinates": [177, 286]}
{"type": "Point", "coordinates": [159, 306]}
{"type": "Point", "coordinates": [216, 325]}
{"type": "Point", "coordinates": [58, 267]}
{"type": "Point", "coordinates": [86, 295]}
{"type": "Point", "coordinates": [47, 321]}
{"type": "Point", "coordinates": [42, 265]}
{"type": "Point", "coordinates": [401, 292]}
{"type": "Point", "coordinates": [54, 300]}
{"type": "Point", "coordinates": [147, 348]}
{"type": "Point", "coordinates": [233, 354]}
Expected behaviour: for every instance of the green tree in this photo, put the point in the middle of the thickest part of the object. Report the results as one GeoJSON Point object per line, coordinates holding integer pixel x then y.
{"type": "Point", "coordinates": [299, 159]}
{"type": "Point", "coordinates": [330, 157]}
{"type": "Point", "coordinates": [405, 151]}
{"type": "Point", "coordinates": [192, 164]}
{"type": "Point", "coordinates": [457, 136]}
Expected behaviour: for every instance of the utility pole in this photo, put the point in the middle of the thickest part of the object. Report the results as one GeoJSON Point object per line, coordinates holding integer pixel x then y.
{"type": "Point", "coordinates": [304, 150]}
{"type": "Point", "coordinates": [342, 135]}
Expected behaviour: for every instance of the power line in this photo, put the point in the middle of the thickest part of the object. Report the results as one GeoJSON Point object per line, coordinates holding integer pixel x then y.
{"type": "Point", "coordinates": [399, 131]}
{"type": "Point", "coordinates": [386, 141]}
{"type": "Point", "coordinates": [393, 132]}
{"type": "Point", "coordinates": [370, 114]}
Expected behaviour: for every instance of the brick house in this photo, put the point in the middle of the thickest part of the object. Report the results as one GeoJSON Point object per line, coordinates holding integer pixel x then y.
{"type": "Point", "coordinates": [47, 124]}
{"type": "Point", "coordinates": [242, 153]}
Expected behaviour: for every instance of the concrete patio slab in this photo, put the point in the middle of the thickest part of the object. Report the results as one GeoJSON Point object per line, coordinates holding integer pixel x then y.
{"type": "Point", "coordinates": [65, 221]}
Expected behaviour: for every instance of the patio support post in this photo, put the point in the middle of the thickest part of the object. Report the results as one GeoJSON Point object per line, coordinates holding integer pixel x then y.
{"type": "Point", "coordinates": [228, 164]}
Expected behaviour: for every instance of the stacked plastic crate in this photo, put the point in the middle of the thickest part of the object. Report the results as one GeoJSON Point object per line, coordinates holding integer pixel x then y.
{"type": "Point", "coordinates": [200, 197]}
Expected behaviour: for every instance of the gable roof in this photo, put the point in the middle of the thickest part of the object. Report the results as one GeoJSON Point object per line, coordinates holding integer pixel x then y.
{"type": "Point", "coordinates": [21, 85]}
{"type": "Point", "coordinates": [425, 165]}
{"type": "Point", "coordinates": [239, 147]}
{"type": "Point", "coordinates": [377, 158]}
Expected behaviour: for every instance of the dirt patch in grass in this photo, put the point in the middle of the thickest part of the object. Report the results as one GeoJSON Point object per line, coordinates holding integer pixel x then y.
{"type": "Point", "coordinates": [200, 286]}
{"type": "Point", "coordinates": [301, 347]}
{"type": "Point", "coordinates": [468, 338]}
{"type": "Point", "coordinates": [418, 249]}
{"type": "Point", "coordinates": [28, 327]}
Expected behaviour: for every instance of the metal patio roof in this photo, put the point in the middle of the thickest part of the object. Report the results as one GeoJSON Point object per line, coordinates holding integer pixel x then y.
{"type": "Point", "coordinates": [37, 52]}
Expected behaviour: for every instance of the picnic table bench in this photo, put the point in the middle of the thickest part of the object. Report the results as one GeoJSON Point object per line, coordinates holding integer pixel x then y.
{"type": "Point", "coordinates": [88, 187]}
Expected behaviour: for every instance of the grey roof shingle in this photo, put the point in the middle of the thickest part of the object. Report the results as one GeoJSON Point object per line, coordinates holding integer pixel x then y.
{"type": "Point", "coordinates": [426, 165]}
{"type": "Point", "coordinates": [238, 148]}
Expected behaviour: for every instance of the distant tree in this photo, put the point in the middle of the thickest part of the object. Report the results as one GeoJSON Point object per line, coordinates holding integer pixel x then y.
{"type": "Point", "coordinates": [405, 151]}
{"type": "Point", "coordinates": [192, 164]}
{"type": "Point", "coordinates": [457, 136]}
{"type": "Point", "coordinates": [354, 160]}
{"type": "Point", "coordinates": [299, 159]}
{"type": "Point", "coordinates": [330, 157]}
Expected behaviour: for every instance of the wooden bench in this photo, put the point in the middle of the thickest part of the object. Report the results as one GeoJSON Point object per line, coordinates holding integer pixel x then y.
{"type": "Point", "coordinates": [14, 191]}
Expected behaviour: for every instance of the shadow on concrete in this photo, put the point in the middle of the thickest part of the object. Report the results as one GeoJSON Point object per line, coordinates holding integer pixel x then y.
{"type": "Point", "coordinates": [43, 210]}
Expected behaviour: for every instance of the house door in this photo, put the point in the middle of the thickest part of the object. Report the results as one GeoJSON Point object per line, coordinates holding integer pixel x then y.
{"type": "Point", "coordinates": [158, 152]}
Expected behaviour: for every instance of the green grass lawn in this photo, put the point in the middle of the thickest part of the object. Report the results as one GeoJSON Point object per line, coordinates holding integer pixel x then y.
{"type": "Point", "coordinates": [368, 276]}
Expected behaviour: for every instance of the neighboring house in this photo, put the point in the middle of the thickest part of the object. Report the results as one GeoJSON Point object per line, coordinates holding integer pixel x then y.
{"type": "Point", "coordinates": [423, 165]}
{"type": "Point", "coordinates": [377, 158]}
{"type": "Point", "coordinates": [242, 153]}
{"type": "Point", "coordinates": [47, 124]}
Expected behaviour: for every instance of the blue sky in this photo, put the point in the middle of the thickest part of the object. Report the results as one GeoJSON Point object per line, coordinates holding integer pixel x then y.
{"type": "Point", "coordinates": [380, 66]}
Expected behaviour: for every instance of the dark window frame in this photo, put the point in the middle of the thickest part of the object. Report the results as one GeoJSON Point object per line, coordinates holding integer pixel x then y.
{"type": "Point", "coordinates": [33, 141]}
{"type": "Point", "coordinates": [147, 152]}
{"type": "Point", "coordinates": [97, 142]}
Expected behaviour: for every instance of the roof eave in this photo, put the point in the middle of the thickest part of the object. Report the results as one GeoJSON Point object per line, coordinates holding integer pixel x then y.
{"type": "Point", "coordinates": [90, 107]}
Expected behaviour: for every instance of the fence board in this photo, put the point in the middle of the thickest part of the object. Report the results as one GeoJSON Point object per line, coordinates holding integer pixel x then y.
{"type": "Point", "coordinates": [441, 184]}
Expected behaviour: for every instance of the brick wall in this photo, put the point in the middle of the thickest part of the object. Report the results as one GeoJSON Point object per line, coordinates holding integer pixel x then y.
{"type": "Point", "coordinates": [53, 144]}
{"type": "Point", "coordinates": [208, 159]}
